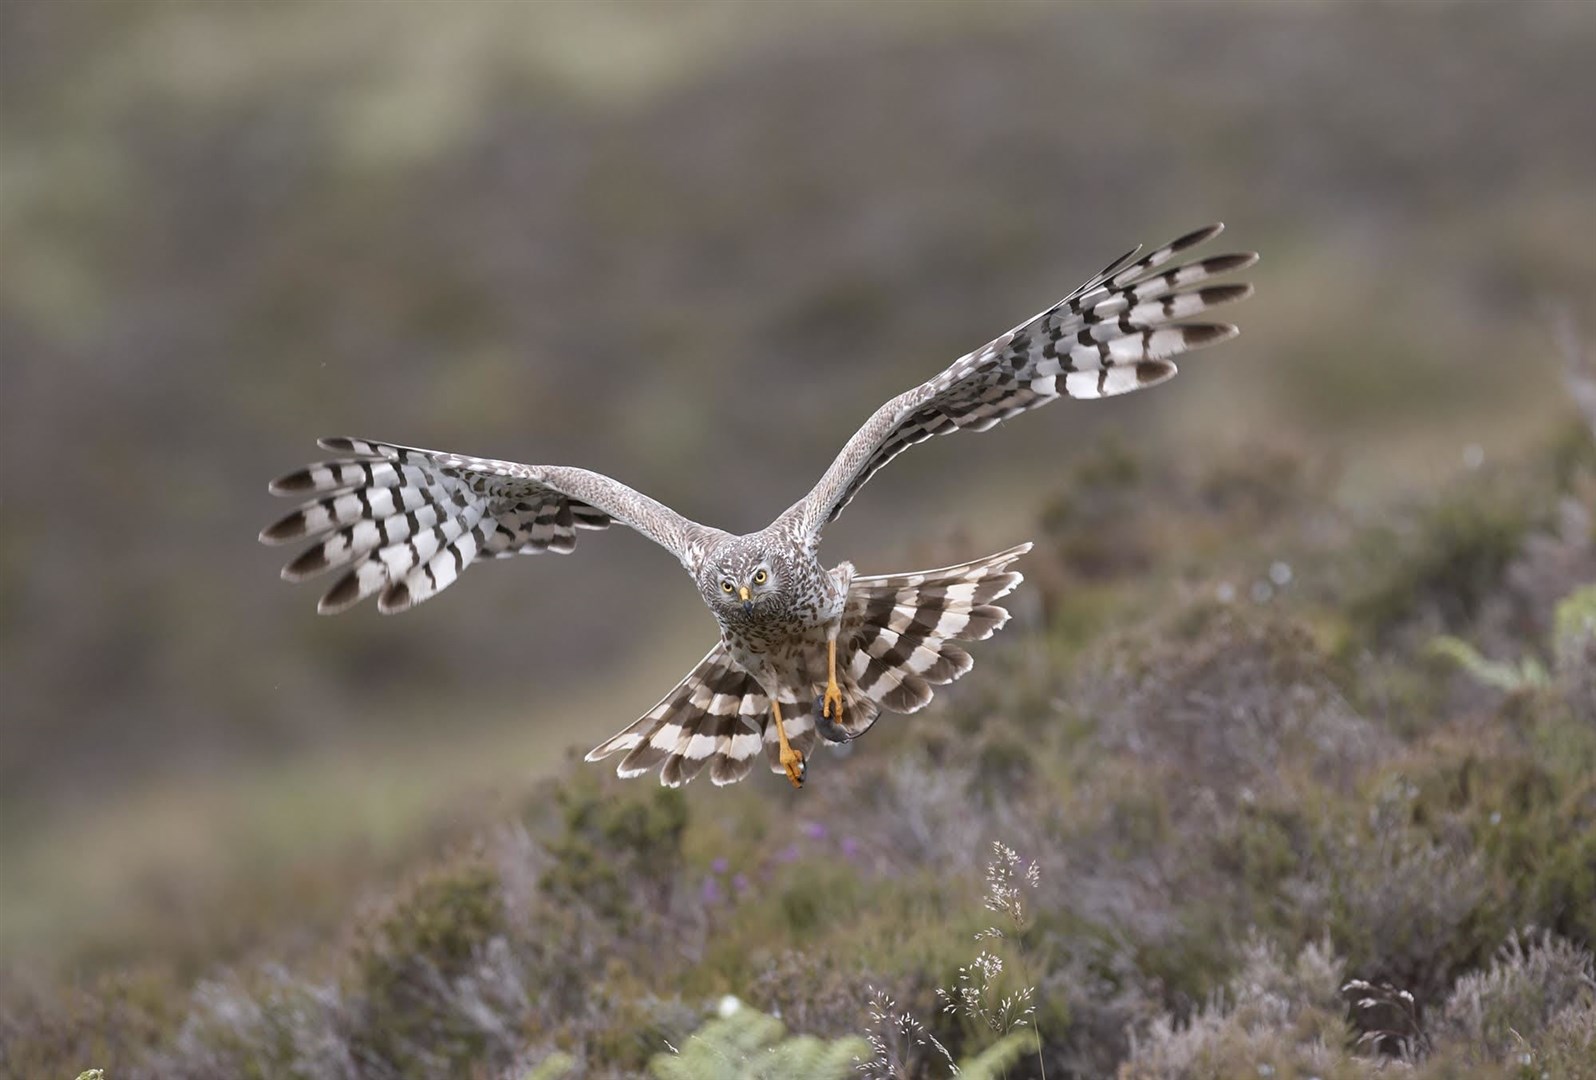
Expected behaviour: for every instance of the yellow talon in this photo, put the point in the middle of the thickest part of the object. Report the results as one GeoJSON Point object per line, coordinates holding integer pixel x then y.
{"type": "Point", "coordinates": [831, 707]}
{"type": "Point", "coordinates": [791, 759]}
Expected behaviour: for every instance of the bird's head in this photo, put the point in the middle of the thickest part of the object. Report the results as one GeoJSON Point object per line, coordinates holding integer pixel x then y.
{"type": "Point", "coordinates": [739, 579]}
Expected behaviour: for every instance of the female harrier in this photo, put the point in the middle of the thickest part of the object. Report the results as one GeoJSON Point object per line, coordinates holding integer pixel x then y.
{"type": "Point", "coordinates": [804, 651]}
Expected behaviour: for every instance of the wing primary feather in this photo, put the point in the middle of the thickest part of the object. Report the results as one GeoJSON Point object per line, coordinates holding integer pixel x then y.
{"type": "Point", "coordinates": [404, 522]}
{"type": "Point", "coordinates": [1115, 334]}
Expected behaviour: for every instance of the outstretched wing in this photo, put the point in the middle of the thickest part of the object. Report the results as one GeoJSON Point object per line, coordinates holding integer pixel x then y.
{"type": "Point", "coordinates": [404, 522]}
{"type": "Point", "coordinates": [1114, 334]}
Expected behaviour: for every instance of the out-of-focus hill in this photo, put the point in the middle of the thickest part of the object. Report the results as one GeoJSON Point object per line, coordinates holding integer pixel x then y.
{"type": "Point", "coordinates": [691, 246]}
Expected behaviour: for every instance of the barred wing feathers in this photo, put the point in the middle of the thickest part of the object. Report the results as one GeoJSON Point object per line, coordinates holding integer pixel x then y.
{"type": "Point", "coordinates": [902, 631]}
{"type": "Point", "coordinates": [403, 522]}
{"type": "Point", "coordinates": [1114, 334]}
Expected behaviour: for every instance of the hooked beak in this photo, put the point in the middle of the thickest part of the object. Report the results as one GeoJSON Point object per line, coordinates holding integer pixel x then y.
{"type": "Point", "coordinates": [747, 598]}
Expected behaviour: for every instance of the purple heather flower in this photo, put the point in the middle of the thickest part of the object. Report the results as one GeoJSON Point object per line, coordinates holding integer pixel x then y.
{"type": "Point", "coordinates": [740, 883]}
{"type": "Point", "coordinates": [788, 854]}
{"type": "Point", "coordinates": [719, 866]}
{"type": "Point", "coordinates": [814, 830]}
{"type": "Point", "coordinates": [710, 893]}
{"type": "Point", "coordinates": [850, 847]}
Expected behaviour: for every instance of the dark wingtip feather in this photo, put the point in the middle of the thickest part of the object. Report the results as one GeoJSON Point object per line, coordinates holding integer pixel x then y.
{"type": "Point", "coordinates": [288, 528]}
{"type": "Point", "coordinates": [310, 563]}
{"type": "Point", "coordinates": [1120, 263]}
{"type": "Point", "coordinates": [1197, 236]}
{"type": "Point", "coordinates": [1236, 260]}
{"type": "Point", "coordinates": [394, 599]}
{"type": "Point", "coordinates": [292, 484]}
{"type": "Point", "coordinates": [1200, 335]}
{"type": "Point", "coordinates": [1214, 295]}
{"type": "Point", "coordinates": [1154, 371]}
{"type": "Point", "coordinates": [338, 444]}
{"type": "Point", "coordinates": [341, 596]}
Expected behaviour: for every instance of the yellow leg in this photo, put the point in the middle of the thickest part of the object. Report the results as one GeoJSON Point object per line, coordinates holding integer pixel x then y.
{"type": "Point", "coordinates": [832, 707]}
{"type": "Point", "coordinates": [791, 759]}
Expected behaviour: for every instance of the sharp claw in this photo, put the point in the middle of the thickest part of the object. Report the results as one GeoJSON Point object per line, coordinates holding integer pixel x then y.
{"type": "Point", "coordinates": [796, 768]}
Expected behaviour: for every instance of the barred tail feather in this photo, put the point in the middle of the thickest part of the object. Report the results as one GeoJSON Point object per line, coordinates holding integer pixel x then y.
{"type": "Point", "coordinates": [713, 718]}
{"type": "Point", "coordinates": [900, 631]}
{"type": "Point", "coordinates": [716, 718]}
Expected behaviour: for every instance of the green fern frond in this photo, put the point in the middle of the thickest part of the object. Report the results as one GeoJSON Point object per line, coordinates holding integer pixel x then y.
{"type": "Point", "coordinates": [749, 1045]}
{"type": "Point", "coordinates": [993, 1062]}
{"type": "Point", "coordinates": [1528, 674]}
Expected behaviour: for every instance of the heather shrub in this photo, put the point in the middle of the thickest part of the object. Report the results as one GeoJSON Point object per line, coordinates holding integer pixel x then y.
{"type": "Point", "coordinates": [1437, 570]}
{"type": "Point", "coordinates": [1403, 906]}
{"type": "Point", "coordinates": [1277, 1017]}
{"type": "Point", "coordinates": [1566, 1047]}
{"type": "Point", "coordinates": [1562, 887]}
{"type": "Point", "coordinates": [620, 849]}
{"type": "Point", "coordinates": [1095, 524]}
{"type": "Point", "coordinates": [1116, 517]}
{"type": "Point", "coordinates": [267, 1025]}
{"type": "Point", "coordinates": [114, 1018]}
{"type": "Point", "coordinates": [410, 958]}
{"type": "Point", "coordinates": [1532, 980]}
{"type": "Point", "coordinates": [1520, 802]}
{"type": "Point", "coordinates": [817, 991]}
{"type": "Point", "coordinates": [1222, 698]}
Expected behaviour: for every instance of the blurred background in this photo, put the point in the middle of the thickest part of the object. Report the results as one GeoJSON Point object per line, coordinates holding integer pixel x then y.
{"type": "Point", "coordinates": [689, 244]}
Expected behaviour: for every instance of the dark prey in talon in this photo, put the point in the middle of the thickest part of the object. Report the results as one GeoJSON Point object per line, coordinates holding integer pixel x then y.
{"type": "Point", "coordinates": [829, 729]}
{"type": "Point", "coordinates": [401, 524]}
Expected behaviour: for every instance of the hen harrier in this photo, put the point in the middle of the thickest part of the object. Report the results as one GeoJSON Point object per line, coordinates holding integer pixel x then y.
{"type": "Point", "coordinates": [804, 652]}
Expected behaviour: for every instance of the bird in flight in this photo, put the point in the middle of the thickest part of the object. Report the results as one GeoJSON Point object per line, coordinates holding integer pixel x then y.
{"type": "Point", "coordinates": [805, 653]}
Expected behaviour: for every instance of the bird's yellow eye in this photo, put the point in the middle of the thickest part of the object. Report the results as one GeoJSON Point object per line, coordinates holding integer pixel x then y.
{"type": "Point", "coordinates": [760, 578]}
{"type": "Point", "coordinates": [725, 586]}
